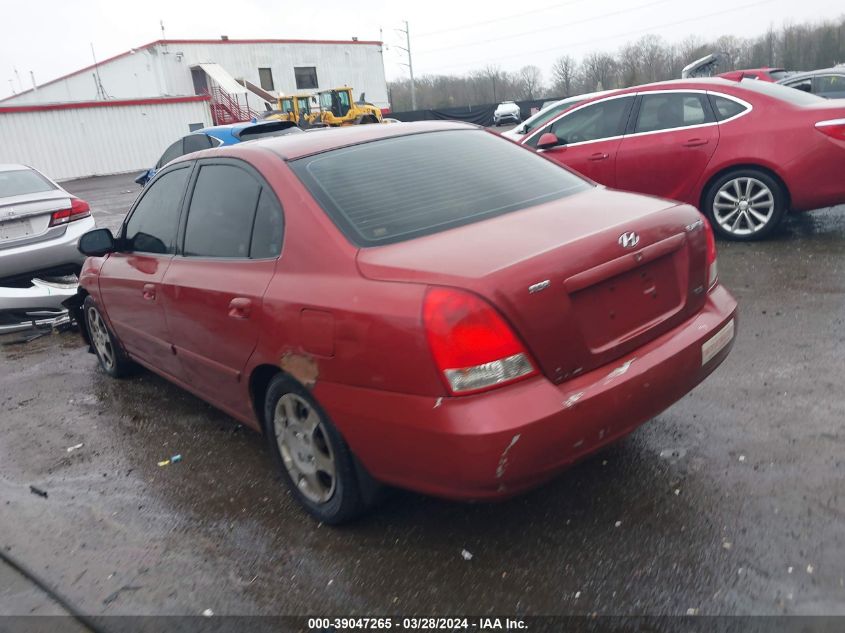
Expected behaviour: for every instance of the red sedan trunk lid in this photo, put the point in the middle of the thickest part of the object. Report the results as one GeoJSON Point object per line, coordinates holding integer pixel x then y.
{"type": "Point", "coordinates": [561, 275]}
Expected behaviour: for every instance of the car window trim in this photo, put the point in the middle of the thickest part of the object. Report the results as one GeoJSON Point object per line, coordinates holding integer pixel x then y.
{"type": "Point", "coordinates": [122, 242]}
{"type": "Point", "coordinates": [738, 100]}
{"type": "Point", "coordinates": [571, 111]}
{"type": "Point", "coordinates": [186, 204]}
{"type": "Point", "coordinates": [702, 99]}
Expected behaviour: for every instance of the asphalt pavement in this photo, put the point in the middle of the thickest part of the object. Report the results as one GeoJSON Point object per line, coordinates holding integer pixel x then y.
{"type": "Point", "coordinates": [730, 502]}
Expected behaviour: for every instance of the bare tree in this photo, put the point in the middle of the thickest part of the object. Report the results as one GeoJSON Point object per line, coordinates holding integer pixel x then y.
{"type": "Point", "coordinates": [564, 72]}
{"type": "Point", "coordinates": [530, 79]}
{"type": "Point", "coordinates": [599, 71]}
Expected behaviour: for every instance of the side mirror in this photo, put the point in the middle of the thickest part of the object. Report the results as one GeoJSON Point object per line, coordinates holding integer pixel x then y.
{"type": "Point", "coordinates": [548, 140]}
{"type": "Point", "coordinates": [96, 243]}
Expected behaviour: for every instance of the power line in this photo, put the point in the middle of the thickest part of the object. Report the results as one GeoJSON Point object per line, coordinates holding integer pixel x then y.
{"type": "Point", "coordinates": [500, 19]}
{"type": "Point", "coordinates": [612, 37]}
{"type": "Point", "coordinates": [548, 28]}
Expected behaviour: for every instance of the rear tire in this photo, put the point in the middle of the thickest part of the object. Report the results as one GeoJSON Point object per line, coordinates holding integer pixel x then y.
{"type": "Point", "coordinates": [108, 349]}
{"type": "Point", "coordinates": [315, 461]}
{"type": "Point", "coordinates": [745, 205]}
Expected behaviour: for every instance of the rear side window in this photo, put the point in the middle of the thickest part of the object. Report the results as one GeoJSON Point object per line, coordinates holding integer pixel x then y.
{"type": "Point", "coordinates": [267, 228]}
{"type": "Point", "coordinates": [221, 213]}
{"type": "Point", "coordinates": [594, 122]}
{"type": "Point", "coordinates": [831, 86]}
{"type": "Point", "coordinates": [19, 182]}
{"type": "Point", "coordinates": [197, 142]}
{"type": "Point", "coordinates": [726, 108]}
{"type": "Point", "coordinates": [395, 189]}
{"type": "Point", "coordinates": [666, 111]}
{"type": "Point", "coordinates": [174, 151]}
{"type": "Point", "coordinates": [152, 226]}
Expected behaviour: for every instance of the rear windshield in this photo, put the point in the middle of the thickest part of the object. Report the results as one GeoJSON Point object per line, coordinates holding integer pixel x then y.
{"type": "Point", "coordinates": [265, 130]}
{"type": "Point", "coordinates": [21, 182]}
{"type": "Point", "coordinates": [784, 93]}
{"type": "Point", "coordinates": [395, 189]}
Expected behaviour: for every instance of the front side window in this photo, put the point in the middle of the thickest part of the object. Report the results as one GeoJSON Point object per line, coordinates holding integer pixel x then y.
{"type": "Point", "coordinates": [151, 227]}
{"type": "Point", "coordinates": [665, 111]}
{"type": "Point", "coordinates": [546, 115]}
{"type": "Point", "coordinates": [594, 122]}
{"type": "Point", "coordinates": [428, 183]}
{"type": "Point", "coordinates": [306, 77]}
{"type": "Point", "coordinates": [221, 212]}
{"type": "Point", "coordinates": [726, 108]}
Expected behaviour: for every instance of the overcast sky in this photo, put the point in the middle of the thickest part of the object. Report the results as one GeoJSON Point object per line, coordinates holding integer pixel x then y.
{"type": "Point", "coordinates": [54, 37]}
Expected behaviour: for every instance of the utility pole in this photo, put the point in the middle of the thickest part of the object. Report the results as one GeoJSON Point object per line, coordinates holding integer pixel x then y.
{"type": "Point", "coordinates": [410, 64]}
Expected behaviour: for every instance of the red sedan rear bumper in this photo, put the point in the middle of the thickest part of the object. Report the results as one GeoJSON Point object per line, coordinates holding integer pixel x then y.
{"type": "Point", "coordinates": [499, 443]}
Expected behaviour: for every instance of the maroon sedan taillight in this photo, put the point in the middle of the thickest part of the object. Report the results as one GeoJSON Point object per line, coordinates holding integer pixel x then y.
{"type": "Point", "coordinates": [78, 209]}
{"type": "Point", "coordinates": [834, 128]}
{"type": "Point", "coordinates": [473, 347]}
{"type": "Point", "coordinates": [712, 265]}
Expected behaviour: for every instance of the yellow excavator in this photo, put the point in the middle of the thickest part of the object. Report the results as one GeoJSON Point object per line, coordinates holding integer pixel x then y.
{"type": "Point", "coordinates": [325, 108]}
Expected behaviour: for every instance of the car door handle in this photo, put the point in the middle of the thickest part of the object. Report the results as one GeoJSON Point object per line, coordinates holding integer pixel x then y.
{"type": "Point", "coordinates": [240, 308]}
{"type": "Point", "coordinates": [695, 142]}
{"type": "Point", "coordinates": [598, 156]}
{"type": "Point", "coordinates": [149, 292]}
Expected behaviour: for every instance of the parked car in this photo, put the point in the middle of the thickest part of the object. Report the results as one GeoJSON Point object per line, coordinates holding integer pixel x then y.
{"type": "Point", "coordinates": [40, 225]}
{"type": "Point", "coordinates": [466, 326]}
{"type": "Point", "coordinates": [216, 136]}
{"type": "Point", "coordinates": [708, 66]}
{"type": "Point", "coordinates": [744, 152]}
{"type": "Point", "coordinates": [827, 82]}
{"type": "Point", "coordinates": [506, 112]}
{"type": "Point", "coordinates": [550, 110]}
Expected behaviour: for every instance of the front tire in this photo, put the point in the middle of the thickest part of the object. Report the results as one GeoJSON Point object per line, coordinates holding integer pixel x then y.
{"type": "Point", "coordinates": [745, 205]}
{"type": "Point", "coordinates": [108, 349]}
{"type": "Point", "coordinates": [314, 459]}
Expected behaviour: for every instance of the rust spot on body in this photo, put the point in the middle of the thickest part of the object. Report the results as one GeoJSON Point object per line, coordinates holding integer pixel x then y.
{"type": "Point", "coordinates": [302, 367]}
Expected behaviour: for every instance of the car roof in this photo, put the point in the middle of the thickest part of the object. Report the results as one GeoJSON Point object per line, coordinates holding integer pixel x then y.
{"type": "Point", "coordinates": [13, 167]}
{"type": "Point", "coordinates": [293, 146]}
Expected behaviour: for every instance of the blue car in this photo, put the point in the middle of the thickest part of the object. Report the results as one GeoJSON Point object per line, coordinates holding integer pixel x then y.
{"type": "Point", "coordinates": [216, 136]}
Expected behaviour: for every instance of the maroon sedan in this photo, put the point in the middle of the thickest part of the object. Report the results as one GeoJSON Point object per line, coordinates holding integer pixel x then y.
{"type": "Point", "coordinates": [745, 152]}
{"type": "Point", "coordinates": [423, 305]}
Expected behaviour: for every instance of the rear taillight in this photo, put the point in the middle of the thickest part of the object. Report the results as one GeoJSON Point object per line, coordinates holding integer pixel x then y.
{"type": "Point", "coordinates": [78, 209]}
{"type": "Point", "coordinates": [473, 347]}
{"type": "Point", "coordinates": [834, 128]}
{"type": "Point", "coordinates": [712, 265]}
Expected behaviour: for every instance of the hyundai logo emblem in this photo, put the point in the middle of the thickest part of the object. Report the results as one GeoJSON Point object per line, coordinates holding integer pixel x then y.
{"type": "Point", "coordinates": [629, 240]}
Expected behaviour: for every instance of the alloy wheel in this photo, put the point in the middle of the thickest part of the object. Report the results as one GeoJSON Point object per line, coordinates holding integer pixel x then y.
{"type": "Point", "coordinates": [305, 448]}
{"type": "Point", "coordinates": [101, 338]}
{"type": "Point", "coordinates": [743, 206]}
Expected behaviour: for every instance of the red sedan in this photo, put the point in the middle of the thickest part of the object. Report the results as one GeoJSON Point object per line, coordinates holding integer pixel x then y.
{"type": "Point", "coordinates": [423, 305]}
{"type": "Point", "coordinates": [745, 153]}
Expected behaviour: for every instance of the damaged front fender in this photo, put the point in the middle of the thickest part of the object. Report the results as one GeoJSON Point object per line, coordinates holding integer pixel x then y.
{"type": "Point", "coordinates": [73, 305]}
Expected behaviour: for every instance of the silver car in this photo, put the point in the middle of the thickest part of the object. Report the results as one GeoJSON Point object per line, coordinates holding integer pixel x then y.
{"type": "Point", "coordinates": [40, 225]}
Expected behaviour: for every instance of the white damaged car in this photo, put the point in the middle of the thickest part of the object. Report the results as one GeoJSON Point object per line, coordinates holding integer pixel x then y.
{"type": "Point", "coordinates": [40, 225]}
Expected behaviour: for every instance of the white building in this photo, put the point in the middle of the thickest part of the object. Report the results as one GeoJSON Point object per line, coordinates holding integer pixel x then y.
{"type": "Point", "coordinates": [136, 92]}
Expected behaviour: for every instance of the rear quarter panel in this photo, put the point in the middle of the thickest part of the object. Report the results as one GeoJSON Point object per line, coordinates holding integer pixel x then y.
{"type": "Point", "coordinates": [322, 321]}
